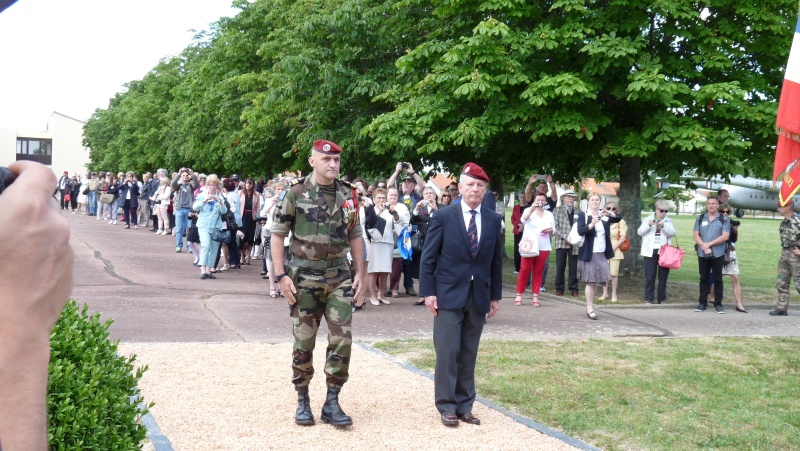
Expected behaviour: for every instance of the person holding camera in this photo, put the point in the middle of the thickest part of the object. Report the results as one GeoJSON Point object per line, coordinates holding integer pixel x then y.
{"type": "Point", "coordinates": [593, 269]}
{"type": "Point", "coordinates": [539, 223]}
{"type": "Point", "coordinates": [420, 217]}
{"type": "Point", "coordinates": [711, 231]}
{"type": "Point", "coordinates": [184, 186]}
{"type": "Point", "coordinates": [129, 196]}
{"type": "Point", "coordinates": [34, 292]}
{"type": "Point", "coordinates": [731, 267]}
{"type": "Point", "coordinates": [656, 230]}
{"type": "Point", "coordinates": [210, 207]}
{"type": "Point", "coordinates": [161, 200]}
{"type": "Point", "coordinates": [411, 190]}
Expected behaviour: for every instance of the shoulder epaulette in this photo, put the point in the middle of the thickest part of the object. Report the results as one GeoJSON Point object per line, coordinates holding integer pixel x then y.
{"type": "Point", "coordinates": [297, 181]}
{"type": "Point", "coordinates": [347, 184]}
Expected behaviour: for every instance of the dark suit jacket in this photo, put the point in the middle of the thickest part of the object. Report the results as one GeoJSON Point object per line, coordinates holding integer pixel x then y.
{"type": "Point", "coordinates": [447, 265]}
{"type": "Point", "coordinates": [585, 253]}
{"type": "Point", "coordinates": [134, 189]}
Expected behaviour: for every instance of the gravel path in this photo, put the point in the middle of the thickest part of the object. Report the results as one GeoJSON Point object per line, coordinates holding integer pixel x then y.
{"type": "Point", "coordinates": [237, 396]}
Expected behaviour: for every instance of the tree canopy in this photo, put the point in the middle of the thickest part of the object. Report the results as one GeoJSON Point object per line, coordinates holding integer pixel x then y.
{"type": "Point", "coordinates": [611, 88]}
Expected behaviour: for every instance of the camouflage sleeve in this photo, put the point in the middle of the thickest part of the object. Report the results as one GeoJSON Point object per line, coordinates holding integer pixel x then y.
{"type": "Point", "coordinates": [795, 224]}
{"type": "Point", "coordinates": [284, 213]}
{"type": "Point", "coordinates": [356, 231]}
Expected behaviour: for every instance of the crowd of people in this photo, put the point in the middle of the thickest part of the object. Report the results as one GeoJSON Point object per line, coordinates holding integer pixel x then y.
{"type": "Point", "coordinates": [394, 214]}
{"type": "Point", "coordinates": [190, 207]}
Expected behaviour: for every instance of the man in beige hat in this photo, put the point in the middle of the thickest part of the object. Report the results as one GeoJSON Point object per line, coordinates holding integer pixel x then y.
{"type": "Point", "coordinates": [565, 215]}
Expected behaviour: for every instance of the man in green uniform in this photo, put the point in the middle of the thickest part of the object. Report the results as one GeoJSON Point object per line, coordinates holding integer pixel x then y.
{"type": "Point", "coordinates": [321, 212]}
{"type": "Point", "coordinates": [789, 264]}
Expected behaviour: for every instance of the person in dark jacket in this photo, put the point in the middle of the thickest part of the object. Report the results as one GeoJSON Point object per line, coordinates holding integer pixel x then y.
{"type": "Point", "coordinates": [129, 199]}
{"type": "Point", "coordinates": [595, 226]}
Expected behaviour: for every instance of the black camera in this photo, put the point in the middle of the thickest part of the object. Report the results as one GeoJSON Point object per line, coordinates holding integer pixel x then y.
{"type": "Point", "coordinates": [404, 166]}
{"type": "Point", "coordinates": [6, 177]}
{"type": "Point", "coordinates": [736, 223]}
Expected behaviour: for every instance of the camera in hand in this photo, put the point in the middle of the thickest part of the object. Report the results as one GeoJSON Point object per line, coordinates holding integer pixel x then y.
{"type": "Point", "coordinates": [6, 177]}
{"type": "Point", "coordinates": [404, 165]}
{"type": "Point", "coordinates": [736, 223]}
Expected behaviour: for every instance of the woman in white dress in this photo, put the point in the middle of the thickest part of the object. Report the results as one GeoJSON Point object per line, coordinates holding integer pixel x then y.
{"type": "Point", "coordinates": [381, 248]}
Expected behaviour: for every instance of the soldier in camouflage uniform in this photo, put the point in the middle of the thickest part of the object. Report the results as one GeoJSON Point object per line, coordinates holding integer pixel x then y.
{"type": "Point", "coordinates": [321, 212]}
{"type": "Point", "coordinates": [789, 264]}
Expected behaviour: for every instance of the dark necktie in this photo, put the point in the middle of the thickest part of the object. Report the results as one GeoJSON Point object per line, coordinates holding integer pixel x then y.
{"type": "Point", "coordinates": [472, 232]}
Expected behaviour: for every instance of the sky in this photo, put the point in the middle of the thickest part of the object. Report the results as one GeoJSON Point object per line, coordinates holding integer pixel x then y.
{"type": "Point", "coordinates": [72, 56]}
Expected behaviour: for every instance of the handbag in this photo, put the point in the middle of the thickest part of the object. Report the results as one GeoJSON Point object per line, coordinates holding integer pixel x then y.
{"type": "Point", "coordinates": [626, 244]}
{"type": "Point", "coordinates": [728, 249]}
{"type": "Point", "coordinates": [107, 198]}
{"type": "Point", "coordinates": [575, 238]}
{"type": "Point", "coordinates": [670, 256]}
{"type": "Point", "coordinates": [221, 236]}
{"type": "Point", "coordinates": [528, 245]}
{"type": "Point", "coordinates": [85, 191]}
{"type": "Point", "coordinates": [67, 197]}
{"type": "Point", "coordinates": [417, 241]}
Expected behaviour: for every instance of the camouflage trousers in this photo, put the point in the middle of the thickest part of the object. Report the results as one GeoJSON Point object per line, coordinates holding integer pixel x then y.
{"type": "Point", "coordinates": [788, 269]}
{"type": "Point", "coordinates": [321, 293]}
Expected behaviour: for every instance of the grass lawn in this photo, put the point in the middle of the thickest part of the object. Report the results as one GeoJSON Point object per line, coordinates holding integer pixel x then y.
{"type": "Point", "coordinates": [731, 393]}
{"type": "Point", "coordinates": [758, 250]}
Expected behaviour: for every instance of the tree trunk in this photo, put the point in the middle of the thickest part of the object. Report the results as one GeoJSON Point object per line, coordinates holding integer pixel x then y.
{"type": "Point", "coordinates": [630, 203]}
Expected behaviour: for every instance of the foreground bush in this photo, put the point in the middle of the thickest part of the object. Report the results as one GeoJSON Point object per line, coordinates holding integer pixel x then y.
{"type": "Point", "coordinates": [90, 387]}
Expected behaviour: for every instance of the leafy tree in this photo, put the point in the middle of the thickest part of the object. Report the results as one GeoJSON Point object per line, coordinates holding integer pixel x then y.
{"type": "Point", "coordinates": [613, 87]}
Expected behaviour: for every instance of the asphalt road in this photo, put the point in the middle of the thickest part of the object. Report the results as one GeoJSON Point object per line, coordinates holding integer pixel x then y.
{"type": "Point", "coordinates": [154, 295]}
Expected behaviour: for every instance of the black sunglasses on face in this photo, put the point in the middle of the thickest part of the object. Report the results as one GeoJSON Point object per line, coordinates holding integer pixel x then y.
{"type": "Point", "coordinates": [664, 211]}
{"type": "Point", "coordinates": [725, 212]}
{"type": "Point", "coordinates": [611, 208]}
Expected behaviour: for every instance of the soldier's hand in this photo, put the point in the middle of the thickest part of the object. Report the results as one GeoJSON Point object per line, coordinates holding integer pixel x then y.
{"type": "Point", "coordinates": [358, 289]}
{"type": "Point", "coordinates": [288, 289]}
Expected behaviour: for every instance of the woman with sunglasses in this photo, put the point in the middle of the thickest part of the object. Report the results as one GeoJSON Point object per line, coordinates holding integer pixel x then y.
{"type": "Point", "coordinates": [731, 267]}
{"type": "Point", "coordinates": [656, 230]}
{"type": "Point", "coordinates": [619, 231]}
{"type": "Point", "coordinates": [447, 199]}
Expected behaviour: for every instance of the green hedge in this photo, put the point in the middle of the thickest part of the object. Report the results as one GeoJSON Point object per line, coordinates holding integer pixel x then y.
{"type": "Point", "coordinates": [90, 387]}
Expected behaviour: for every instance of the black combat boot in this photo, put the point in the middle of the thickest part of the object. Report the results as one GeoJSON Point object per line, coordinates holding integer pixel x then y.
{"type": "Point", "coordinates": [331, 411]}
{"type": "Point", "coordinates": [303, 416]}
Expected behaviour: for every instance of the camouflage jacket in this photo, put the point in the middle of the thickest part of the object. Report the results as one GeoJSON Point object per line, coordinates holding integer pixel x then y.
{"type": "Point", "coordinates": [317, 234]}
{"type": "Point", "coordinates": [790, 231]}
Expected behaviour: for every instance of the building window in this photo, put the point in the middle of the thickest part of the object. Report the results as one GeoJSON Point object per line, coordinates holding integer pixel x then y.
{"type": "Point", "coordinates": [35, 149]}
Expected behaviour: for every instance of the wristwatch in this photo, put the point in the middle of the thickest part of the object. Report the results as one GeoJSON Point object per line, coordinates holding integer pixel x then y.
{"type": "Point", "coordinates": [280, 276]}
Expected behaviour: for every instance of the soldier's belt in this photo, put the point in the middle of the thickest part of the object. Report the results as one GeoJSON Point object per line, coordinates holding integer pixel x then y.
{"type": "Point", "coordinates": [319, 264]}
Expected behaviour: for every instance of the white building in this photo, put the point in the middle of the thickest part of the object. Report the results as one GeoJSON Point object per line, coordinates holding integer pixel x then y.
{"type": "Point", "coordinates": [60, 146]}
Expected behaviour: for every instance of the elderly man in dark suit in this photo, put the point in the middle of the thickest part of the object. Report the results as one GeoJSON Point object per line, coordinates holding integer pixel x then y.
{"type": "Point", "coordinates": [461, 281]}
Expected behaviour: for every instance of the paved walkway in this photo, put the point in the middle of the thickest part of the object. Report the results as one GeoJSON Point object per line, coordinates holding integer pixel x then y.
{"type": "Point", "coordinates": [154, 296]}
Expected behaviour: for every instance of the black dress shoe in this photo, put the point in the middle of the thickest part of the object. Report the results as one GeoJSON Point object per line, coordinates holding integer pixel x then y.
{"type": "Point", "coordinates": [210, 276]}
{"type": "Point", "coordinates": [777, 312]}
{"type": "Point", "coordinates": [203, 276]}
{"type": "Point", "coordinates": [411, 292]}
{"type": "Point", "coordinates": [419, 303]}
{"type": "Point", "coordinates": [469, 419]}
{"type": "Point", "coordinates": [449, 419]}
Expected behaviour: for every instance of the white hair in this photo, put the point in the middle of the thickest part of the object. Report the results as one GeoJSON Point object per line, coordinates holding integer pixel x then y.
{"type": "Point", "coordinates": [462, 180]}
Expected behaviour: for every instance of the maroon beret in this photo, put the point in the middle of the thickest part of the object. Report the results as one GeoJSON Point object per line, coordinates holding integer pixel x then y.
{"type": "Point", "coordinates": [327, 147]}
{"type": "Point", "coordinates": [475, 171]}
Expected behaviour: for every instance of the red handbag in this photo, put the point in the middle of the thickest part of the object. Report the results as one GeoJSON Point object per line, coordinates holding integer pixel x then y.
{"type": "Point", "coordinates": [671, 256]}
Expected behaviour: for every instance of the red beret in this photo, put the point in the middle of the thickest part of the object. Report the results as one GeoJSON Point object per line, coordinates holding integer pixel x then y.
{"type": "Point", "coordinates": [475, 171]}
{"type": "Point", "coordinates": [327, 147]}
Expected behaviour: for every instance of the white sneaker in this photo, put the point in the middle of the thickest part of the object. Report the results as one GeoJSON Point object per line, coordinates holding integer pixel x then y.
{"type": "Point", "coordinates": [136, 227]}
{"type": "Point", "coordinates": [98, 218]}
{"type": "Point", "coordinates": [115, 222]}
{"type": "Point", "coordinates": [110, 221]}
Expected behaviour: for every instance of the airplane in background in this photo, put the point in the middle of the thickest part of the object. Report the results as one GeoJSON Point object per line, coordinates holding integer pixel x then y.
{"type": "Point", "coordinates": [747, 193]}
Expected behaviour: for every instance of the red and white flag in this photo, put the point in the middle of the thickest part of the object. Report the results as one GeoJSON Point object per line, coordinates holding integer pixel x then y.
{"type": "Point", "coordinates": [788, 125]}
